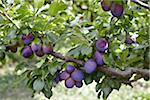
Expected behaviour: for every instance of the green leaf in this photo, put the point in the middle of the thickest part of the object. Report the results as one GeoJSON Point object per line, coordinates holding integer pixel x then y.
{"type": "Point", "coordinates": [39, 64]}
{"type": "Point", "coordinates": [38, 3]}
{"type": "Point", "coordinates": [85, 50]}
{"type": "Point", "coordinates": [55, 7]}
{"type": "Point", "coordinates": [106, 91]}
{"type": "Point", "coordinates": [38, 85]}
{"type": "Point", "coordinates": [88, 79]}
{"type": "Point", "coordinates": [98, 87]}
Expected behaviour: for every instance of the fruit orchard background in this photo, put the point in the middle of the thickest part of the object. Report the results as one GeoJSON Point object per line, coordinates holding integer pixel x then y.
{"type": "Point", "coordinates": [71, 28]}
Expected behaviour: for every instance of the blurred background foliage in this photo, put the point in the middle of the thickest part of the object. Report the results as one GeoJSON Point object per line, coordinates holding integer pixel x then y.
{"type": "Point", "coordinates": [72, 27]}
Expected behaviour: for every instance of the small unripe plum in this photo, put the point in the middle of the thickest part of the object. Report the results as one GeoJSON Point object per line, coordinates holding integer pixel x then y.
{"type": "Point", "coordinates": [98, 58]}
{"type": "Point", "coordinates": [101, 45]}
{"type": "Point", "coordinates": [47, 49]}
{"type": "Point", "coordinates": [70, 68]}
{"type": "Point", "coordinates": [69, 83]}
{"type": "Point", "coordinates": [64, 75]}
{"type": "Point", "coordinates": [129, 41]}
{"type": "Point", "coordinates": [77, 75]}
{"type": "Point", "coordinates": [27, 52]}
{"type": "Point", "coordinates": [79, 84]}
{"type": "Point", "coordinates": [106, 5]}
{"type": "Point", "coordinates": [117, 9]}
{"type": "Point", "coordinates": [27, 38]}
{"type": "Point", "coordinates": [40, 52]}
{"type": "Point", "coordinates": [35, 47]}
{"type": "Point", "coordinates": [90, 66]}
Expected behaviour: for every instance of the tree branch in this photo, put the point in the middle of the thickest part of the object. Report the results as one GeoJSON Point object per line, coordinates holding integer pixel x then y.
{"type": "Point", "coordinates": [141, 4]}
{"type": "Point", "coordinates": [9, 18]}
{"type": "Point", "coordinates": [107, 70]}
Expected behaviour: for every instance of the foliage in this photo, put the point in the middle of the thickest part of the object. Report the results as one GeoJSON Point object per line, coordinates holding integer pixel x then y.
{"type": "Point", "coordinates": [72, 28]}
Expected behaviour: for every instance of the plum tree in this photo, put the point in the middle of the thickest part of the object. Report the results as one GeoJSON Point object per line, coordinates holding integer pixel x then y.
{"type": "Point", "coordinates": [86, 44]}
{"type": "Point", "coordinates": [106, 5]}
{"type": "Point", "coordinates": [90, 66]}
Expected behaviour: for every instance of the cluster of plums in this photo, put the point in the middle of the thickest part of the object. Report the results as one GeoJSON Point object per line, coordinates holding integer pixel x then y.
{"type": "Point", "coordinates": [115, 7]}
{"type": "Point", "coordinates": [30, 47]}
{"type": "Point", "coordinates": [71, 76]}
{"type": "Point", "coordinates": [91, 65]}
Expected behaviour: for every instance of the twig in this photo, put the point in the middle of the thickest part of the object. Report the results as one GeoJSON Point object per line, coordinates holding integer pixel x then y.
{"type": "Point", "coordinates": [9, 18]}
{"type": "Point", "coordinates": [141, 4]}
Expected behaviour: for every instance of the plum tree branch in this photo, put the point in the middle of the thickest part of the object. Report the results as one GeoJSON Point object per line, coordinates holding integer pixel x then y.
{"type": "Point", "coordinates": [141, 4]}
{"type": "Point", "coordinates": [107, 70]}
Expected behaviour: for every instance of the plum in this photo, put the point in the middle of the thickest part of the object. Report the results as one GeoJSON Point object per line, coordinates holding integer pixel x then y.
{"type": "Point", "coordinates": [101, 45]}
{"type": "Point", "coordinates": [39, 52]}
{"type": "Point", "coordinates": [12, 47]}
{"type": "Point", "coordinates": [78, 84]}
{"type": "Point", "coordinates": [98, 58]}
{"type": "Point", "coordinates": [64, 75]}
{"type": "Point", "coordinates": [90, 66]}
{"type": "Point", "coordinates": [69, 83]}
{"type": "Point", "coordinates": [27, 52]}
{"type": "Point", "coordinates": [129, 41]}
{"type": "Point", "coordinates": [77, 75]}
{"type": "Point", "coordinates": [70, 68]}
{"type": "Point", "coordinates": [117, 9]}
{"type": "Point", "coordinates": [47, 49]}
{"type": "Point", "coordinates": [35, 47]}
{"type": "Point", "coordinates": [27, 38]}
{"type": "Point", "coordinates": [106, 5]}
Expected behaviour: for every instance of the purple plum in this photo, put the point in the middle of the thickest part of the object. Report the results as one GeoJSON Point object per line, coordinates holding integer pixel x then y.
{"type": "Point", "coordinates": [98, 58]}
{"type": "Point", "coordinates": [77, 75]}
{"type": "Point", "coordinates": [129, 41]}
{"type": "Point", "coordinates": [27, 38]}
{"type": "Point", "coordinates": [70, 68]}
{"type": "Point", "coordinates": [90, 66]}
{"type": "Point", "coordinates": [69, 83]}
{"type": "Point", "coordinates": [101, 45]}
{"type": "Point", "coordinates": [64, 75]}
{"type": "Point", "coordinates": [47, 49]}
{"type": "Point", "coordinates": [27, 52]}
{"type": "Point", "coordinates": [79, 84]}
{"type": "Point", "coordinates": [106, 5]}
{"type": "Point", "coordinates": [117, 9]}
